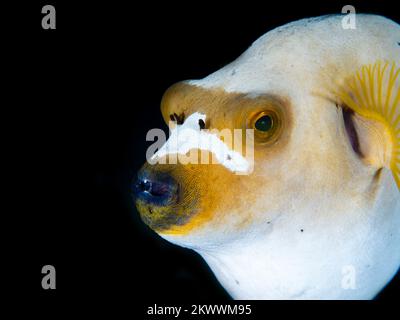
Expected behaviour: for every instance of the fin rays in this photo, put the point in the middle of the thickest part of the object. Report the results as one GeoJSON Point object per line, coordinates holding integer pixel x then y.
{"type": "Point", "coordinates": [374, 92]}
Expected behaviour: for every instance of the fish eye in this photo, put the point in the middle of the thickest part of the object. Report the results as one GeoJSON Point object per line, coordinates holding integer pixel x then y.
{"type": "Point", "coordinates": [264, 123]}
{"type": "Point", "coordinates": [267, 125]}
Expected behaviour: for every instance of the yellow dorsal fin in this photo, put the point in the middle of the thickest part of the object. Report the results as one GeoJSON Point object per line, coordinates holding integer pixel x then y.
{"type": "Point", "coordinates": [373, 92]}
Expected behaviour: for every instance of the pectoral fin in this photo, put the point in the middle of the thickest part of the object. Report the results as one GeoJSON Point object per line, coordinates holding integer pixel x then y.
{"type": "Point", "coordinates": [373, 93]}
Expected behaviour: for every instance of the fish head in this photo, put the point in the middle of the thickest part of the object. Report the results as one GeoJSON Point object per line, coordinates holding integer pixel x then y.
{"type": "Point", "coordinates": [304, 155]}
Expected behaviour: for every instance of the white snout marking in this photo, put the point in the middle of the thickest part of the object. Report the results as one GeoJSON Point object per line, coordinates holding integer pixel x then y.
{"type": "Point", "coordinates": [189, 135]}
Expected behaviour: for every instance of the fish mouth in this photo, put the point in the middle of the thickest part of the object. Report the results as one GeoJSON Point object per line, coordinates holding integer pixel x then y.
{"type": "Point", "coordinates": [155, 191]}
{"type": "Point", "coordinates": [161, 200]}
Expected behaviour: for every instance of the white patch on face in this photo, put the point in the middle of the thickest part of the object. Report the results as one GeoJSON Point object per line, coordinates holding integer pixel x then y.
{"type": "Point", "coordinates": [189, 136]}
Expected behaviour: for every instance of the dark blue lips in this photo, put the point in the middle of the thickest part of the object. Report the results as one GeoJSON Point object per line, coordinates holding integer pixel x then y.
{"type": "Point", "coordinates": [158, 189]}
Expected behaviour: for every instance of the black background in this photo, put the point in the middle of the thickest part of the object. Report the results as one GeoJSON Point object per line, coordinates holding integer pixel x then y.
{"type": "Point", "coordinates": [82, 99]}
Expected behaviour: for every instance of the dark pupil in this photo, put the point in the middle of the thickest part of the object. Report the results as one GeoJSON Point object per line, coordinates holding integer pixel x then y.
{"type": "Point", "coordinates": [264, 123]}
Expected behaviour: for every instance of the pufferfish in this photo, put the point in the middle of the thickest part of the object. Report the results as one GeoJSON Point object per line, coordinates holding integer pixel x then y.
{"type": "Point", "coordinates": [318, 216]}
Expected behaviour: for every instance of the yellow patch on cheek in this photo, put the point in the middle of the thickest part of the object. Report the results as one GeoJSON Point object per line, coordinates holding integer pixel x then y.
{"type": "Point", "coordinates": [203, 185]}
{"type": "Point", "coordinates": [223, 201]}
